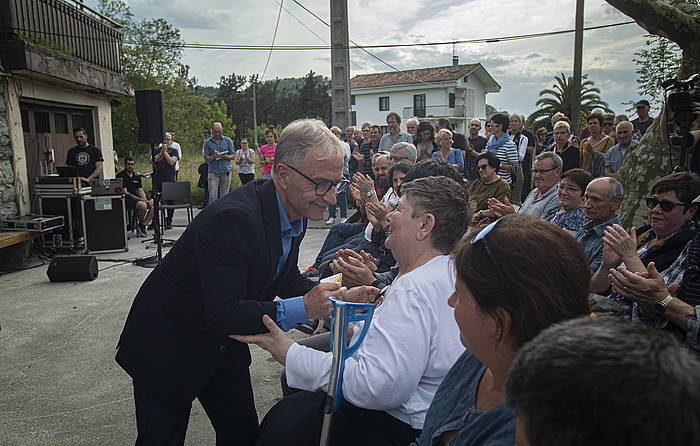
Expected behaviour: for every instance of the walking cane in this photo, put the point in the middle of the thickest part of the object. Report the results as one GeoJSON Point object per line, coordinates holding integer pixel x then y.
{"type": "Point", "coordinates": [343, 314]}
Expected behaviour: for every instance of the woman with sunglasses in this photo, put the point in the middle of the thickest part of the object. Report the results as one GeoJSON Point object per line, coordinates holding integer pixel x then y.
{"type": "Point", "coordinates": [410, 345]}
{"type": "Point", "coordinates": [488, 185]}
{"type": "Point", "coordinates": [499, 306]}
{"type": "Point", "coordinates": [672, 216]}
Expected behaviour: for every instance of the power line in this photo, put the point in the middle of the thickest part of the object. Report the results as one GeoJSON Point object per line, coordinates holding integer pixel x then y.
{"type": "Point", "coordinates": [242, 47]}
{"type": "Point", "coordinates": [274, 36]}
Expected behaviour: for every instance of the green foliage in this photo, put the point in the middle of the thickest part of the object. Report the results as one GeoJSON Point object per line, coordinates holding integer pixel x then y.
{"type": "Point", "coordinates": [491, 110]}
{"type": "Point", "coordinates": [151, 60]}
{"type": "Point", "coordinates": [559, 97]}
{"type": "Point", "coordinates": [659, 60]}
{"type": "Point", "coordinates": [279, 101]}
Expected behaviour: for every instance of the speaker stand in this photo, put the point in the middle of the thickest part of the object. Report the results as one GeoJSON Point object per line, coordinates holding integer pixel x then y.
{"type": "Point", "coordinates": [154, 260]}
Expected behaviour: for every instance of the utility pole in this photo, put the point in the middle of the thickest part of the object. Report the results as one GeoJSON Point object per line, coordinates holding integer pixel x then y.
{"type": "Point", "coordinates": [578, 67]}
{"type": "Point", "coordinates": [255, 118]}
{"type": "Point", "coordinates": [340, 64]}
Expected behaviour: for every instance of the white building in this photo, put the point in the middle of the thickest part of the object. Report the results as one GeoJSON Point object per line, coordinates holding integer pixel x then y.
{"type": "Point", "coordinates": [456, 92]}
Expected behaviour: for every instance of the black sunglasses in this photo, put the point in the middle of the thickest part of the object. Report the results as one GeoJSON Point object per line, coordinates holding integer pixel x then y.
{"type": "Point", "coordinates": [322, 187]}
{"type": "Point", "coordinates": [666, 206]}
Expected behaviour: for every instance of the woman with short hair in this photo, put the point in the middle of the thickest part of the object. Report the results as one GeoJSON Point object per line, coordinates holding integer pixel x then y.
{"type": "Point", "coordinates": [448, 153]}
{"type": "Point", "coordinates": [499, 306]}
{"type": "Point", "coordinates": [564, 147]}
{"type": "Point", "coordinates": [571, 216]}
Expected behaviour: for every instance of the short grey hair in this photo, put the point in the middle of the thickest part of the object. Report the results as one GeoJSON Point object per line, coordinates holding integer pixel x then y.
{"type": "Point", "coordinates": [556, 159]}
{"type": "Point", "coordinates": [414, 120]}
{"type": "Point", "coordinates": [410, 149]}
{"type": "Point", "coordinates": [616, 189]}
{"type": "Point", "coordinates": [625, 124]}
{"type": "Point", "coordinates": [302, 136]}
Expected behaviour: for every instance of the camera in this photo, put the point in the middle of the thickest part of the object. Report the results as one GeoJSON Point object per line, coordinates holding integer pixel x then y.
{"type": "Point", "coordinates": [680, 96]}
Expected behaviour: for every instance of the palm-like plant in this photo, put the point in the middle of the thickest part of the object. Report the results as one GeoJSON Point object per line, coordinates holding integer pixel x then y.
{"type": "Point", "coordinates": [560, 97]}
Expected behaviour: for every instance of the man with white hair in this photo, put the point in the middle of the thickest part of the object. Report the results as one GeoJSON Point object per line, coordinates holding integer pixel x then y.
{"type": "Point", "coordinates": [221, 279]}
{"type": "Point", "coordinates": [412, 128]}
{"type": "Point", "coordinates": [616, 154]}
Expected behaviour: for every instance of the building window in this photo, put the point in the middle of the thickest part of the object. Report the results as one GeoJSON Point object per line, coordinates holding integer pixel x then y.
{"type": "Point", "coordinates": [78, 121]}
{"type": "Point", "coordinates": [352, 99]}
{"type": "Point", "coordinates": [419, 105]}
{"type": "Point", "coordinates": [354, 118]}
{"type": "Point", "coordinates": [41, 122]}
{"type": "Point", "coordinates": [25, 120]}
{"type": "Point", "coordinates": [384, 103]}
{"type": "Point", "coordinates": [60, 123]}
{"type": "Point", "coordinates": [452, 100]}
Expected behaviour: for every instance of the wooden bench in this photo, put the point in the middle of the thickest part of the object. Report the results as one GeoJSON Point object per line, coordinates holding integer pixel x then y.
{"type": "Point", "coordinates": [9, 238]}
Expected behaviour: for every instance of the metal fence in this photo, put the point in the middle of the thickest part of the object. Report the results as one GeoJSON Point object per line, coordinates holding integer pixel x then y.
{"type": "Point", "coordinates": [69, 27]}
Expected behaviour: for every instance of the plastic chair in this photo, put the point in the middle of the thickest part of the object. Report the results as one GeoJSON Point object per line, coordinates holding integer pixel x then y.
{"type": "Point", "coordinates": [175, 191]}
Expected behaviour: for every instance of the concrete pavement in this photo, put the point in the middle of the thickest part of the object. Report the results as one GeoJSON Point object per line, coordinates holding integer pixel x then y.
{"type": "Point", "coordinates": [59, 383]}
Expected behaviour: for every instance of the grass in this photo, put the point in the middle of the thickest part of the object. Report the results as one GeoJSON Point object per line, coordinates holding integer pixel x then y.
{"type": "Point", "coordinates": [188, 172]}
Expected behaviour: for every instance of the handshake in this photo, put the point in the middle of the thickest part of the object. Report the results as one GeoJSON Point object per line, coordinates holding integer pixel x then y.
{"type": "Point", "coordinates": [319, 306]}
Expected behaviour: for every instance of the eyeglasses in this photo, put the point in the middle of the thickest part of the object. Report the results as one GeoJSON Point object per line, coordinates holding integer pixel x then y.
{"type": "Point", "coordinates": [130, 164]}
{"type": "Point", "coordinates": [482, 166]}
{"type": "Point", "coordinates": [542, 170]}
{"type": "Point", "coordinates": [666, 206]}
{"type": "Point", "coordinates": [396, 159]}
{"type": "Point", "coordinates": [561, 133]}
{"type": "Point", "coordinates": [322, 187]}
{"type": "Point", "coordinates": [481, 238]}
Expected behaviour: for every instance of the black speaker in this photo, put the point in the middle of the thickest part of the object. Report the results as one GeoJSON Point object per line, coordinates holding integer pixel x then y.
{"type": "Point", "coordinates": [150, 111]}
{"type": "Point", "coordinates": [72, 268]}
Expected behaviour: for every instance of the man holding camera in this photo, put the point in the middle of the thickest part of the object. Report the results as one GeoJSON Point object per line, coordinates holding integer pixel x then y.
{"type": "Point", "coordinates": [164, 157]}
{"type": "Point", "coordinates": [691, 138]}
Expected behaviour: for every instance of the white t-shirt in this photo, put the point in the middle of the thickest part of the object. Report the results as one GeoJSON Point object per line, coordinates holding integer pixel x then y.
{"type": "Point", "coordinates": [176, 146]}
{"type": "Point", "coordinates": [522, 145]}
{"type": "Point", "coordinates": [246, 166]}
{"type": "Point", "coordinates": [411, 344]}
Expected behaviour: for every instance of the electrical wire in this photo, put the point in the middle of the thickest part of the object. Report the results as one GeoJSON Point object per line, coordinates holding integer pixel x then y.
{"type": "Point", "coordinates": [274, 36]}
{"type": "Point", "coordinates": [242, 47]}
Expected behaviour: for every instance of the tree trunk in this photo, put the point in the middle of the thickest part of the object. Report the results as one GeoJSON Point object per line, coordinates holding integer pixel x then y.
{"type": "Point", "coordinates": [649, 161]}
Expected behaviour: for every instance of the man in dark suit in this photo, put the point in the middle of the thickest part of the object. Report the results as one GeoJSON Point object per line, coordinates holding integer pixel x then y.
{"type": "Point", "coordinates": [219, 279]}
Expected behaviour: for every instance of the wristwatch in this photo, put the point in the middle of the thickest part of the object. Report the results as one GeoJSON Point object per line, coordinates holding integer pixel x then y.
{"type": "Point", "coordinates": [661, 305]}
{"type": "Point", "coordinates": [371, 192]}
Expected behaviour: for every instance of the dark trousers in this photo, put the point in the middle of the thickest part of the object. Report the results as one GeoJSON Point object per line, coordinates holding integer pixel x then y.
{"type": "Point", "coordinates": [246, 178]}
{"type": "Point", "coordinates": [297, 420]}
{"type": "Point", "coordinates": [227, 399]}
{"type": "Point", "coordinates": [341, 235]}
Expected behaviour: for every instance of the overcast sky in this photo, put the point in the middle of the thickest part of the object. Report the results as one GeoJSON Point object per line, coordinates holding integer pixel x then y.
{"type": "Point", "coordinates": [522, 68]}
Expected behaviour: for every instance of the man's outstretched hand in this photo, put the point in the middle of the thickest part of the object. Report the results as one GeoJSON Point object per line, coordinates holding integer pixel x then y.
{"type": "Point", "coordinates": [316, 301]}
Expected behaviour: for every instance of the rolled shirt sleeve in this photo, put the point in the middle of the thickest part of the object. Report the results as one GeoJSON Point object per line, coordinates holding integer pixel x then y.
{"type": "Point", "coordinates": [291, 312]}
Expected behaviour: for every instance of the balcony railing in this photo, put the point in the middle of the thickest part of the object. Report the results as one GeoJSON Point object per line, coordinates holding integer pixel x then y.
{"type": "Point", "coordinates": [69, 27]}
{"type": "Point", "coordinates": [434, 111]}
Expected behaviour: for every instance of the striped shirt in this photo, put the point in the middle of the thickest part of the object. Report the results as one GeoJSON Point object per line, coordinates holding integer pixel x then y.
{"type": "Point", "coordinates": [507, 154]}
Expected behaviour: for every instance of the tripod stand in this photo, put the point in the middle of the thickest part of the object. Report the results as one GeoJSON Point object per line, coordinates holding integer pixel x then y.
{"type": "Point", "coordinates": [154, 260]}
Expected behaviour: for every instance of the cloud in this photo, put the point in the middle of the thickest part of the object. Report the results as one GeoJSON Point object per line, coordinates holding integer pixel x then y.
{"type": "Point", "coordinates": [522, 67]}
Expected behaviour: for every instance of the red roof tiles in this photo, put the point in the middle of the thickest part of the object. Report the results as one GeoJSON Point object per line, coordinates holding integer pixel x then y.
{"type": "Point", "coordinates": [436, 74]}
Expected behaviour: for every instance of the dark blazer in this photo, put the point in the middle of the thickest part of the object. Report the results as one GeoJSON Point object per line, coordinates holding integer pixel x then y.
{"type": "Point", "coordinates": [217, 280]}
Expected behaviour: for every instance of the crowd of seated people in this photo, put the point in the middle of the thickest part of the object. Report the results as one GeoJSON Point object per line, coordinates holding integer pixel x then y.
{"type": "Point", "coordinates": [479, 294]}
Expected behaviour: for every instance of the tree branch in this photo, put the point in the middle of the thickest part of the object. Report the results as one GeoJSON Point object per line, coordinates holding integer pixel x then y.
{"type": "Point", "coordinates": [663, 18]}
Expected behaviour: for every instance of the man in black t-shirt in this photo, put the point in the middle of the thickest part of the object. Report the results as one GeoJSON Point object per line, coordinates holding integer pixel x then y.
{"type": "Point", "coordinates": [643, 121]}
{"type": "Point", "coordinates": [476, 146]}
{"type": "Point", "coordinates": [134, 195]}
{"type": "Point", "coordinates": [86, 158]}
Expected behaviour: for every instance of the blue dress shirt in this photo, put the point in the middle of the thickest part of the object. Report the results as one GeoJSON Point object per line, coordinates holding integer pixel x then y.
{"type": "Point", "coordinates": [290, 312]}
